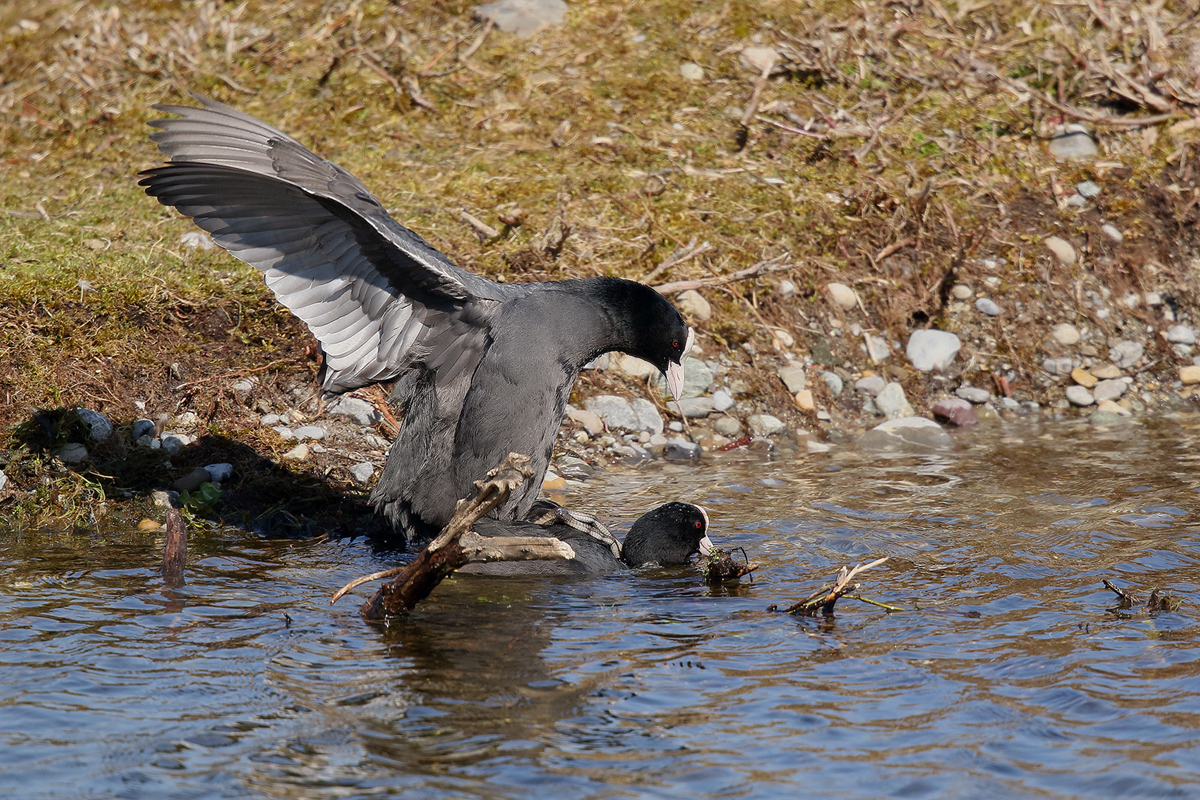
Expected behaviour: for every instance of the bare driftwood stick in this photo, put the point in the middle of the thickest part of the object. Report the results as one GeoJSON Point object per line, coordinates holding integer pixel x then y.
{"type": "Point", "coordinates": [457, 545]}
{"type": "Point", "coordinates": [824, 598]}
{"type": "Point", "coordinates": [486, 232]}
{"type": "Point", "coordinates": [176, 551]}
{"type": "Point", "coordinates": [777, 264]}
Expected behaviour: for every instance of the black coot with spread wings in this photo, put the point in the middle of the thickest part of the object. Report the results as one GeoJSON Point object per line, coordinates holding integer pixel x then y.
{"type": "Point", "coordinates": [482, 368]}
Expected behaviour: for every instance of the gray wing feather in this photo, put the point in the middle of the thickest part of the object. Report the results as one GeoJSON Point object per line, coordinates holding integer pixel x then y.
{"type": "Point", "coordinates": [377, 297]}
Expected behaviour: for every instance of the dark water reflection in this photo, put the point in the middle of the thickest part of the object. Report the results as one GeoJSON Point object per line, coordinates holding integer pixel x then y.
{"type": "Point", "coordinates": [1011, 677]}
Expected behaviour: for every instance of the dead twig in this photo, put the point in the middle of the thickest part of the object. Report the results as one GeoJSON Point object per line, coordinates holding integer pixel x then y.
{"type": "Point", "coordinates": [824, 598]}
{"type": "Point", "coordinates": [486, 232]}
{"type": "Point", "coordinates": [765, 267]}
{"type": "Point", "coordinates": [686, 253]}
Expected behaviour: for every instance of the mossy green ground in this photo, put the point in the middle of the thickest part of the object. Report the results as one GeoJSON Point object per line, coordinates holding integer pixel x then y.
{"type": "Point", "coordinates": [882, 155]}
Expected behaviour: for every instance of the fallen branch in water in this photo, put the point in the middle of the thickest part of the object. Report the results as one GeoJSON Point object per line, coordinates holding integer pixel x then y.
{"type": "Point", "coordinates": [457, 546]}
{"type": "Point", "coordinates": [175, 553]}
{"type": "Point", "coordinates": [1154, 603]}
{"type": "Point", "coordinates": [824, 598]}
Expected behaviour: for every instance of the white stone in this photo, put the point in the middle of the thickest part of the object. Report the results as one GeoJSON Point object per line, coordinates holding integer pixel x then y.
{"type": "Point", "coordinates": [932, 350]}
{"type": "Point", "coordinates": [793, 377]}
{"type": "Point", "coordinates": [691, 303]}
{"type": "Point", "coordinates": [1181, 334]}
{"type": "Point", "coordinates": [722, 400]}
{"type": "Point", "coordinates": [1112, 232]}
{"type": "Point", "coordinates": [523, 17]}
{"type": "Point", "coordinates": [173, 442]}
{"type": "Point", "coordinates": [1065, 334]}
{"type": "Point", "coordinates": [758, 58]}
{"type": "Point", "coordinates": [1063, 250]}
{"type": "Point", "coordinates": [842, 295]}
{"type": "Point", "coordinates": [615, 411]}
{"type": "Point", "coordinates": [648, 417]}
{"type": "Point", "coordinates": [361, 411]}
{"type": "Point", "coordinates": [892, 403]}
{"type": "Point", "coordinates": [310, 432]}
{"type": "Point", "coordinates": [727, 426]}
{"type": "Point", "coordinates": [362, 472]}
{"type": "Point", "coordinates": [1074, 142]}
{"type": "Point", "coordinates": [870, 385]}
{"type": "Point", "coordinates": [1125, 353]}
{"type": "Point", "coordinates": [1079, 396]}
{"type": "Point", "coordinates": [765, 424]}
{"type": "Point", "coordinates": [973, 394]}
{"type": "Point", "coordinates": [636, 367]}
{"type": "Point", "coordinates": [987, 306]}
{"type": "Point", "coordinates": [691, 72]}
{"type": "Point", "coordinates": [1108, 390]}
{"type": "Point", "coordinates": [813, 446]}
{"type": "Point", "coordinates": [960, 291]}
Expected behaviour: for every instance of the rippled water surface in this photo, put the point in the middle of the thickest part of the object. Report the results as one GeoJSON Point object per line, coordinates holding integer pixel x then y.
{"type": "Point", "coordinates": [1006, 675]}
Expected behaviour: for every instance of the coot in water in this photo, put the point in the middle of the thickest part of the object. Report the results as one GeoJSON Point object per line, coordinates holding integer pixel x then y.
{"type": "Point", "coordinates": [668, 535]}
{"type": "Point", "coordinates": [482, 369]}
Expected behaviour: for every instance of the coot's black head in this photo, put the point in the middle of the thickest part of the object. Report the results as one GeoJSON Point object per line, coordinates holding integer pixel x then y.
{"type": "Point", "coordinates": [669, 534]}
{"type": "Point", "coordinates": [651, 328]}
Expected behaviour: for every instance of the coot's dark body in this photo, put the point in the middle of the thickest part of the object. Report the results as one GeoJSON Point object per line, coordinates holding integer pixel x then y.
{"type": "Point", "coordinates": [482, 368]}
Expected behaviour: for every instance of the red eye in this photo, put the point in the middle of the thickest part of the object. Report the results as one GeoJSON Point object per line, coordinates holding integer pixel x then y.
{"type": "Point", "coordinates": [699, 525]}
{"type": "Point", "coordinates": [675, 344]}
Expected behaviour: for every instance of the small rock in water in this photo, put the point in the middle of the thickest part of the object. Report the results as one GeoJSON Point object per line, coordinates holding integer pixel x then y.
{"type": "Point", "coordinates": [957, 412]}
{"type": "Point", "coordinates": [842, 295]}
{"type": "Point", "coordinates": [987, 306]}
{"type": "Point", "coordinates": [1108, 390]}
{"type": "Point", "coordinates": [892, 403]}
{"type": "Point", "coordinates": [101, 428]}
{"type": "Point", "coordinates": [691, 303]}
{"type": "Point", "coordinates": [72, 453]}
{"type": "Point", "coordinates": [553, 482]}
{"type": "Point", "coordinates": [1061, 248]}
{"type": "Point", "coordinates": [813, 446]}
{"type": "Point", "coordinates": [1065, 334]}
{"type": "Point", "coordinates": [1112, 232]}
{"type": "Point", "coordinates": [973, 394]}
{"type": "Point", "coordinates": [793, 377]}
{"type": "Point", "coordinates": [691, 72]}
{"type": "Point", "coordinates": [362, 412]}
{"type": "Point", "coordinates": [1125, 353]}
{"type": "Point", "coordinates": [362, 472]}
{"type": "Point", "coordinates": [1073, 141]}
{"type": "Point", "coordinates": [765, 424]}
{"type": "Point", "coordinates": [907, 434]}
{"type": "Point", "coordinates": [870, 385]}
{"type": "Point", "coordinates": [1079, 396]}
{"type": "Point", "coordinates": [680, 450]}
{"type": "Point", "coordinates": [932, 350]}
{"type": "Point", "coordinates": [1181, 334]}
{"type": "Point", "coordinates": [523, 17]}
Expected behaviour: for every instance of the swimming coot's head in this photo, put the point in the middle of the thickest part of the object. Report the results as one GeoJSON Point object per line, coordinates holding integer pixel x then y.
{"type": "Point", "coordinates": [669, 534]}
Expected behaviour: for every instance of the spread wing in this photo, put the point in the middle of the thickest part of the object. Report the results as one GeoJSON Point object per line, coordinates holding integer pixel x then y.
{"type": "Point", "coordinates": [377, 296]}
